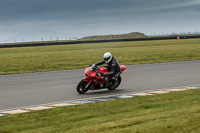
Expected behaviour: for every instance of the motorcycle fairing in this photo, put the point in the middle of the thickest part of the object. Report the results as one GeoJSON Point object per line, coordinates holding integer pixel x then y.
{"type": "Point", "coordinates": [96, 79]}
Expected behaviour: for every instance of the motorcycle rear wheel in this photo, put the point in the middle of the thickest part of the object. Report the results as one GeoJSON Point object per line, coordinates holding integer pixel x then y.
{"type": "Point", "coordinates": [115, 84]}
{"type": "Point", "coordinates": [81, 87]}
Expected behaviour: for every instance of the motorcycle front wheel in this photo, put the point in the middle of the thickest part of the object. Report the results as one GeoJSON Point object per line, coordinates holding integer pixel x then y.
{"type": "Point", "coordinates": [81, 87]}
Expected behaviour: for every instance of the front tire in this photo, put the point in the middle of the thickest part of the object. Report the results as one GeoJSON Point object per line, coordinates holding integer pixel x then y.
{"type": "Point", "coordinates": [81, 87]}
{"type": "Point", "coordinates": [114, 85]}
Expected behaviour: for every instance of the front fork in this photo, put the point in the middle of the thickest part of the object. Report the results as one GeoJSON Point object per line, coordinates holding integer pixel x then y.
{"type": "Point", "coordinates": [87, 86]}
{"type": "Point", "coordinates": [90, 85]}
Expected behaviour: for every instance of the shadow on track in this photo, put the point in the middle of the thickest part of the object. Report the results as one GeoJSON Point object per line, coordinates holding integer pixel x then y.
{"type": "Point", "coordinates": [108, 92]}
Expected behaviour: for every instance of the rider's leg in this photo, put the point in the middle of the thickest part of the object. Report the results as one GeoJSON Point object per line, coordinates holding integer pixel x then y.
{"type": "Point", "coordinates": [115, 76]}
{"type": "Point", "coordinates": [107, 81]}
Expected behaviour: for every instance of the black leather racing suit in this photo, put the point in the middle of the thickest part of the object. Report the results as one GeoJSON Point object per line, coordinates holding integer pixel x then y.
{"type": "Point", "coordinates": [113, 68]}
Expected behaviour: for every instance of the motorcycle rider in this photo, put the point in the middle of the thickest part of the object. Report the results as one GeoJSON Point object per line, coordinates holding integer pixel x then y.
{"type": "Point", "coordinates": [112, 66]}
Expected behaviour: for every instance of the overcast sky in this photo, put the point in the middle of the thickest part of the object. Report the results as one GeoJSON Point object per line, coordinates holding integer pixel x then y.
{"type": "Point", "coordinates": [34, 19]}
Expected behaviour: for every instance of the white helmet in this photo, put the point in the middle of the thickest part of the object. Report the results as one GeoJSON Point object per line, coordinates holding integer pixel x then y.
{"type": "Point", "coordinates": [107, 57]}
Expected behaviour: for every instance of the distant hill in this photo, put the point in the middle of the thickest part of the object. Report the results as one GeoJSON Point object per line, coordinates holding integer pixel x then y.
{"type": "Point", "coordinates": [119, 36]}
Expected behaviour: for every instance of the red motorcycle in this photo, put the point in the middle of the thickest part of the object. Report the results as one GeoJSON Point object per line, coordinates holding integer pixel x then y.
{"type": "Point", "coordinates": [94, 80]}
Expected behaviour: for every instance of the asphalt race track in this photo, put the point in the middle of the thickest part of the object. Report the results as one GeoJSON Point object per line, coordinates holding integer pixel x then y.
{"type": "Point", "coordinates": [21, 90]}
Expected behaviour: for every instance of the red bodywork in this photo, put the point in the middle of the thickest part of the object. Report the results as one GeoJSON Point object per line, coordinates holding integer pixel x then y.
{"type": "Point", "coordinates": [96, 79]}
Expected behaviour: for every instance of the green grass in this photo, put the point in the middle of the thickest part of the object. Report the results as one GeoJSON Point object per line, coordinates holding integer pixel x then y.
{"type": "Point", "coordinates": [177, 112]}
{"type": "Point", "coordinates": [62, 57]}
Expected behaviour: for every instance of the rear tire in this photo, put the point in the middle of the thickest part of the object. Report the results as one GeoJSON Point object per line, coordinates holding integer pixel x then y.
{"type": "Point", "coordinates": [81, 87]}
{"type": "Point", "coordinates": [114, 85]}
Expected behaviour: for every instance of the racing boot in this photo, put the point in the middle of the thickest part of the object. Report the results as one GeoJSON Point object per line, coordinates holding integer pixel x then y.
{"type": "Point", "coordinates": [108, 82]}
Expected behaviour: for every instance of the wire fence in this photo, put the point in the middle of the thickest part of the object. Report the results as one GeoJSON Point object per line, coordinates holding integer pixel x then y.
{"type": "Point", "coordinates": [42, 39]}
{"type": "Point", "coordinates": [58, 39]}
{"type": "Point", "coordinates": [175, 33]}
{"type": "Point", "coordinates": [97, 41]}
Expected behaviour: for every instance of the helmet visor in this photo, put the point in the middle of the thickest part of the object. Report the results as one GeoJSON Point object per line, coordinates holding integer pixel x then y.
{"type": "Point", "coordinates": [107, 59]}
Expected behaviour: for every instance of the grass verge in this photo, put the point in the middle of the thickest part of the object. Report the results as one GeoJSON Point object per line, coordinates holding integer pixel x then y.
{"type": "Point", "coordinates": [62, 57]}
{"type": "Point", "coordinates": [173, 112]}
